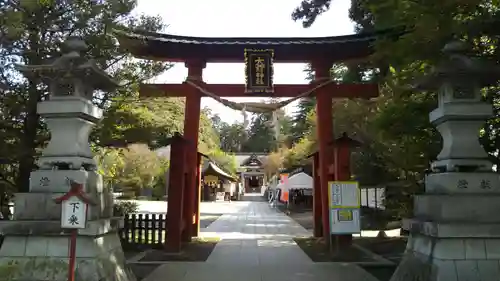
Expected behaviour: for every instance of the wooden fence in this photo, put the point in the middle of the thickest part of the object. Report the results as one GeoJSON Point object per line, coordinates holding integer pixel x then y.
{"type": "Point", "coordinates": [143, 231]}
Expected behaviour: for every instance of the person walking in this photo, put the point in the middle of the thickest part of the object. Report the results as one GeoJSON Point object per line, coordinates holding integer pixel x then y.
{"type": "Point", "coordinates": [276, 198]}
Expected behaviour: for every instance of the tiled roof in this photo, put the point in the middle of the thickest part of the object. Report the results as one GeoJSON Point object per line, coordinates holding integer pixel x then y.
{"type": "Point", "coordinates": [240, 157]}
{"type": "Point", "coordinates": [210, 165]}
{"type": "Point", "coordinates": [167, 47]}
{"type": "Point", "coordinates": [145, 35]}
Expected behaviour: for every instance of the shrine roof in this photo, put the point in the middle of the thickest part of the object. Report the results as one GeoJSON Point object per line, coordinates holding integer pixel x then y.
{"type": "Point", "coordinates": [211, 168]}
{"type": "Point", "coordinates": [167, 47]}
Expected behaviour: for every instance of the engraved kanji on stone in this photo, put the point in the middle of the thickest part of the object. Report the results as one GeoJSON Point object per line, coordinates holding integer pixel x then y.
{"type": "Point", "coordinates": [485, 184]}
{"type": "Point", "coordinates": [73, 220]}
{"type": "Point", "coordinates": [44, 181]}
{"type": "Point", "coordinates": [462, 184]}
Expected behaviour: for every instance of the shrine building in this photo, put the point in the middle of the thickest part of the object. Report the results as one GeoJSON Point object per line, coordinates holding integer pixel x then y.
{"type": "Point", "coordinates": [251, 171]}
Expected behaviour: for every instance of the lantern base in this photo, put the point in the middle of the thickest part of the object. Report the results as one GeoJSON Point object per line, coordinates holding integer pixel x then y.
{"type": "Point", "coordinates": [455, 234]}
{"type": "Point", "coordinates": [37, 258]}
{"type": "Point", "coordinates": [449, 259]}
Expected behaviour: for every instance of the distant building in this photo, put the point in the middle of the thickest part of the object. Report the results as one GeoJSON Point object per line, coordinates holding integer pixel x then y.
{"type": "Point", "coordinates": [250, 169]}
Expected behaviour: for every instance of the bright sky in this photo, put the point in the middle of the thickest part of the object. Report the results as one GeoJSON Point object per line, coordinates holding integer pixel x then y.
{"type": "Point", "coordinates": [230, 18]}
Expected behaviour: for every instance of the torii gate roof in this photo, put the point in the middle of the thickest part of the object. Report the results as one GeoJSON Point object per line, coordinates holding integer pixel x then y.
{"type": "Point", "coordinates": [175, 48]}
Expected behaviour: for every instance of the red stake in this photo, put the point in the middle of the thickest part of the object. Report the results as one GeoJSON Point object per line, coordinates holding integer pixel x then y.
{"type": "Point", "coordinates": [72, 255]}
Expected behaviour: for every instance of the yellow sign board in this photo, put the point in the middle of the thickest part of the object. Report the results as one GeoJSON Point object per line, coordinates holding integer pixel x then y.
{"type": "Point", "coordinates": [344, 215]}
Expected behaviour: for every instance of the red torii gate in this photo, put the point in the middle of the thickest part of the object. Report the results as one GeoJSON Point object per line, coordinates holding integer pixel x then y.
{"type": "Point", "coordinates": [195, 52]}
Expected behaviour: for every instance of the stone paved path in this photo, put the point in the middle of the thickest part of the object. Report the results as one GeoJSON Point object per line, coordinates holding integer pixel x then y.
{"type": "Point", "coordinates": [257, 245]}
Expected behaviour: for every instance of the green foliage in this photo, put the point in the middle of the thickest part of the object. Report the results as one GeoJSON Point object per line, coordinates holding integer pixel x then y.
{"type": "Point", "coordinates": [131, 169]}
{"type": "Point", "coordinates": [274, 161]}
{"type": "Point", "coordinates": [148, 120]}
{"type": "Point", "coordinates": [208, 135]}
{"type": "Point", "coordinates": [31, 32]}
{"type": "Point", "coordinates": [151, 121]}
{"type": "Point", "coordinates": [8, 271]}
{"type": "Point", "coordinates": [232, 137]}
{"type": "Point", "coordinates": [309, 10]}
{"type": "Point", "coordinates": [260, 135]}
{"type": "Point", "coordinates": [301, 123]}
{"type": "Point", "coordinates": [142, 168]}
{"type": "Point", "coordinates": [224, 160]}
{"type": "Point", "coordinates": [110, 164]}
{"type": "Point", "coordinates": [399, 141]}
{"type": "Point", "coordinates": [122, 208]}
{"type": "Point", "coordinates": [34, 268]}
{"type": "Point", "coordinates": [298, 154]}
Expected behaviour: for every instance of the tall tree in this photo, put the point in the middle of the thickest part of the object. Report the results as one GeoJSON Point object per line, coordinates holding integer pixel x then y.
{"type": "Point", "coordinates": [404, 142]}
{"type": "Point", "coordinates": [261, 137]}
{"type": "Point", "coordinates": [232, 137]}
{"type": "Point", "coordinates": [150, 121]}
{"type": "Point", "coordinates": [301, 126]}
{"type": "Point", "coordinates": [31, 33]}
{"type": "Point", "coordinates": [286, 129]}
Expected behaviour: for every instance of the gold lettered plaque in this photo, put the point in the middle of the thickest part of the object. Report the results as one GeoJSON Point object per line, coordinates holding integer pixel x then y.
{"type": "Point", "coordinates": [259, 71]}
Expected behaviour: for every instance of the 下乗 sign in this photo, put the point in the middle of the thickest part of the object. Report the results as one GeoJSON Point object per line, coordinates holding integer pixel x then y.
{"type": "Point", "coordinates": [74, 207]}
{"type": "Point", "coordinates": [259, 71]}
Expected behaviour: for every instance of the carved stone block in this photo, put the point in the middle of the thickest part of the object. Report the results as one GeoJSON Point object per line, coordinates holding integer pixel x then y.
{"type": "Point", "coordinates": [467, 208]}
{"type": "Point", "coordinates": [462, 183]}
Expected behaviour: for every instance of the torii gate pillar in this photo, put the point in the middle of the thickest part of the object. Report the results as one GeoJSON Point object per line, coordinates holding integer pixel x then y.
{"type": "Point", "coordinates": [191, 128]}
{"type": "Point", "coordinates": [318, 232]}
{"type": "Point", "coordinates": [197, 196]}
{"type": "Point", "coordinates": [176, 184]}
{"type": "Point", "coordinates": [325, 138]}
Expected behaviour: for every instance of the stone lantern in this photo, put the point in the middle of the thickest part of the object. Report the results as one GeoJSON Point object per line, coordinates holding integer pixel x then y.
{"type": "Point", "coordinates": [455, 234]}
{"type": "Point", "coordinates": [34, 240]}
{"type": "Point", "coordinates": [69, 112]}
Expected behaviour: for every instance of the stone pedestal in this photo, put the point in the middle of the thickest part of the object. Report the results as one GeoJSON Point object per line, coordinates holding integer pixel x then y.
{"type": "Point", "coordinates": [454, 235]}
{"type": "Point", "coordinates": [35, 241]}
{"type": "Point", "coordinates": [35, 245]}
{"type": "Point", "coordinates": [455, 232]}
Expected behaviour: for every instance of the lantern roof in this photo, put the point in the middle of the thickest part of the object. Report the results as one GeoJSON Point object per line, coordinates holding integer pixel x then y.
{"type": "Point", "coordinates": [73, 65]}
{"type": "Point", "coordinates": [460, 66]}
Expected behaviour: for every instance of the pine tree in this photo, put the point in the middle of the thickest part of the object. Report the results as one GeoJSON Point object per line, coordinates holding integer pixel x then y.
{"type": "Point", "coordinates": [31, 33]}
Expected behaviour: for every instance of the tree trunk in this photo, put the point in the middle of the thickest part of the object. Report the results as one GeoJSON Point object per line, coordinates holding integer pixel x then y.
{"type": "Point", "coordinates": [28, 141]}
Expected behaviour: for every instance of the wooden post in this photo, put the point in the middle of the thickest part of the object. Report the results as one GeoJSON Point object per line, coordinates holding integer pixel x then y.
{"type": "Point", "coordinates": [175, 199]}
{"type": "Point", "coordinates": [191, 128]}
{"type": "Point", "coordinates": [316, 197]}
{"type": "Point", "coordinates": [196, 225]}
{"type": "Point", "coordinates": [343, 157]}
{"type": "Point", "coordinates": [342, 154]}
{"type": "Point", "coordinates": [325, 137]}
